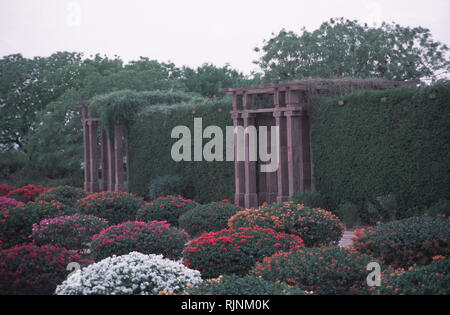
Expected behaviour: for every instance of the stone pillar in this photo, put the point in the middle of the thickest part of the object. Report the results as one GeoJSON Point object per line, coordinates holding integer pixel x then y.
{"type": "Point", "coordinates": [305, 156]}
{"type": "Point", "coordinates": [282, 173]}
{"type": "Point", "coordinates": [104, 159]}
{"type": "Point", "coordinates": [111, 164]}
{"type": "Point", "coordinates": [118, 157]}
{"type": "Point", "coordinates": [239, 166]}
{"type": "Point", "coordinates": [87, 168]}
{"type": "Point", "coordinates": [251, 197]}
{"type": "Point", "coordinates": [271, 178]}
{"type": "Point", "coordinates": [93, 162]}
{"type": "Point", "coordinates": [294, 144]}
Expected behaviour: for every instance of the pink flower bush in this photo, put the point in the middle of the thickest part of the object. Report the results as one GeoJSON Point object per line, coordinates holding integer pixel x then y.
{"type": "Point", "coordinates": [6, 202]}
{"type": "Point", "coordinates": [156, 237]}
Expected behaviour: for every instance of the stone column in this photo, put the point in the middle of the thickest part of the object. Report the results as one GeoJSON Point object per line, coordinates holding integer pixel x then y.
{"type": "Point", "coordinates": [294, 144]}
{"type": "Point", "coordinates": [111, 164]}
{"type": "Point", "coordinates": [104, 159]}
{"type": "Point", "coordinates": [305, 156]}
{"type": "Point", "coordinates": [118, 157]}
{"type": "Point", "coordinates": [251, 197]}
{"type": "Point", "coordinates": [87, 168]}
{"type": "Point", "coordinates": [271, 178]}
{"type": "Point", "coordinates": [282, 173]}
{"type": "Point", "coordinates": [239, 166]}
{"type": "Point", "coordinates": [93, 185]}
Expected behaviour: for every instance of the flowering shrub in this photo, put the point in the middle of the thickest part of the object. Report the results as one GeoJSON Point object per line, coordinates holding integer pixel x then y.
{"type": "Point", "coordinates": [6, 202]}
{"type": "Point", "coordinates": [322, 270]}
{"type": "Point", "coordinates": [5, 189]}
{"type": "Point", "coordinates": [16, 223]}
{"type": "Point", "coordinates": [27, 193]}
{"type": "Point", "coordinates": [30, 269]}
{"type": "Point", "coordinates": [405, 242]}
{"type": "Point", "coordinates": [71, 232]}
{"type": "Point", "coordinates": [248, 285]}
{"type": "Point", "coordinates": [114, 206]}
{"type": "Point", "coordinates": [207, 218]}
{"type": "Point", "coordinates": [134, 273]}
{"type": "Point", "coordinates": [433, 279]}
{"type": "Point", "coordinates": [168, 208]}
{"type": "Point", "coordinates": [235, 251]}
{"type": "Point", "coordinates": [67, 195]}
{"type": "Point", "coordinates": [316, 227]}
{"type": "Point", "coordinates": [148, 238]}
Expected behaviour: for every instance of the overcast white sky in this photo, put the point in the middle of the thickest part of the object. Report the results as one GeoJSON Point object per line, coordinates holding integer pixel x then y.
{"type": "Point", "coordinates": [190, 32]}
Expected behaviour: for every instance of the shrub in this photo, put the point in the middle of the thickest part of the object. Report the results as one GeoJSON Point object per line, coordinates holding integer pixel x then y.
{"type": "Point", "coordinates": [248, 285]}
{"type": "Point", "coordinates": [165, 185]}
{"type": "Point", "coordinates": [206, 218]}
{"type": "Point", "coordinates": [235, 251]}
{"type": "Point", "coordinates": [322, 270]}
{"type": "Point", "coordinates": [441, 208]}
{"type": "Point", "coordinates": [16, 223]}
{"type": "Point", "coordinates": [134, 273]}
{"type": "Point", "coordinates": [433, 279]}
{"type": "Point", "coordinates": [309, 198]}
{"type": "Point", "coordinates": [67, 195]}
{"type": "Point", "coordinates": [349, 214]}
{"type": "Point", "coordinates": [71, 232]}
{"type": "Point", "coordinates": [27, 193]}
{"type": "Point", "coordinates": [114, 206]}
{"type": "Point", "coordinates": [6, 202]}
{"type": "Point", "coordinates": [405, 242]}
{"type": "Point", "coordinates": [148, 238]}
{"type": "Point", "coordinates": [315, 226]}
{"type": "Point", "coordinates": [30, 269]}
{"type": "Point", "coordinates": [168, 208]}
{"type": "Point", "coordinates": [5, 189]}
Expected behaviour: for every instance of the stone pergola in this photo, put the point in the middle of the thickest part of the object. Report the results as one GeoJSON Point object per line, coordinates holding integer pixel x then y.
{"type": "Point", "coordinates": [288, 109]}
{"type": "Point", "coordinates": [111, 155]}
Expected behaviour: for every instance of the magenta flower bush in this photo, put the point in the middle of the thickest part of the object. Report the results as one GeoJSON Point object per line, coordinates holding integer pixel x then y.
{"type": "Point", "coordinates": [6, 202]}
{"type": "Point", "coordinates": [71, 232]}
{"type": "Point", "coordinates": [156, 237]}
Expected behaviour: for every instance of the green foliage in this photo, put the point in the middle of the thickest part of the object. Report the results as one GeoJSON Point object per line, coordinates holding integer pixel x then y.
{"type": "Point", "coordinates": [146, 238]}
{"type": "Point", "coordinates": [166, 185]}
{"type": "Point", "coordinates": [114, 206]}
{"type": "Point", "coordinates": [322, 270]}
{"type": "Point", "coordinates": [16, 223]}
{"type": "Point", "coordinates": [345, 48]}
{"type": "Point", "coordinates": [433, 279]}
{"type": "Point", "coordinates": [405, 242]}
{"type": "Point", "coordinates": [207, 218]}
{"type": "Point", "coordinates": [372, 147]}
{"type": "Point", "coordinates": [235, 251]}
{"type": "Point", "coordinates": [168, 208]}
{"type": "Point", "coordinates": [349, 214]}
{"type": "Point", "coordinates": [67, 195]}
{"type": "Point", "coordinates": [310, 198]}
{"type": "Point", "coordinates": [248, 285]}
{"type": "Point", "coordinates": [315, 226]}
{"type": "Point", "coordinates": [151, 143]}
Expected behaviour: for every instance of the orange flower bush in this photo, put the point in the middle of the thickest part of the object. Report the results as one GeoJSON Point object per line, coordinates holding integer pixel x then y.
{"type": "Point", "coordinates": [315, 226]}
{"type": "Point", "coordinates": [114, 206]}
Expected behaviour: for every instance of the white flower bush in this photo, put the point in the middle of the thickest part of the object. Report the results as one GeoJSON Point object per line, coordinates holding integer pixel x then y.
{"type": "Point", "coordinates": [134, 273]}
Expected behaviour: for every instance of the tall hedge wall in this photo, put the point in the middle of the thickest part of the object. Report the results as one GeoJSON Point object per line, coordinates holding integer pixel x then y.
{"type": "Point", "coordinates": [373, 147]}
{"type": "Point", "coordinates": [151, 143]}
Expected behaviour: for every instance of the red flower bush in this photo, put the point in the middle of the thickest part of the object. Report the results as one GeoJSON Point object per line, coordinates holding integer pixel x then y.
{"type": "Point", "coordinates": [6, 202]}
{"type": "Point", "coordinates": [27, 193]}
{"type": "Point", "coordinates": [147, 238]}
{"type": "Point", "coordinates": [235, 251]}
{"type": "Point", "coordinates": [16, 223]}
{"type": "Point", "coordinates": [5, 189]}
{"type": "Point", "coordinates": [406, 242]}
{"type": "Point", "coordinates": [30, 269]}
{"type": "Point", "coordinates": [168, 208]}
{"type": "Point", "coordinates": [114, 206]}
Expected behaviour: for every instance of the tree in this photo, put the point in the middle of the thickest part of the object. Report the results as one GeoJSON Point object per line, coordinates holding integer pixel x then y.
{"type": "Point", "coordinates": [345, 48]}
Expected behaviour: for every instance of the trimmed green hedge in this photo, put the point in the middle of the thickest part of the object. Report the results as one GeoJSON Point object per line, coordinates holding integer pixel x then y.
{"type": "Point", "coordinates": [151, 143]}
{"type": "Point", "coordinates": [371, 147]}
